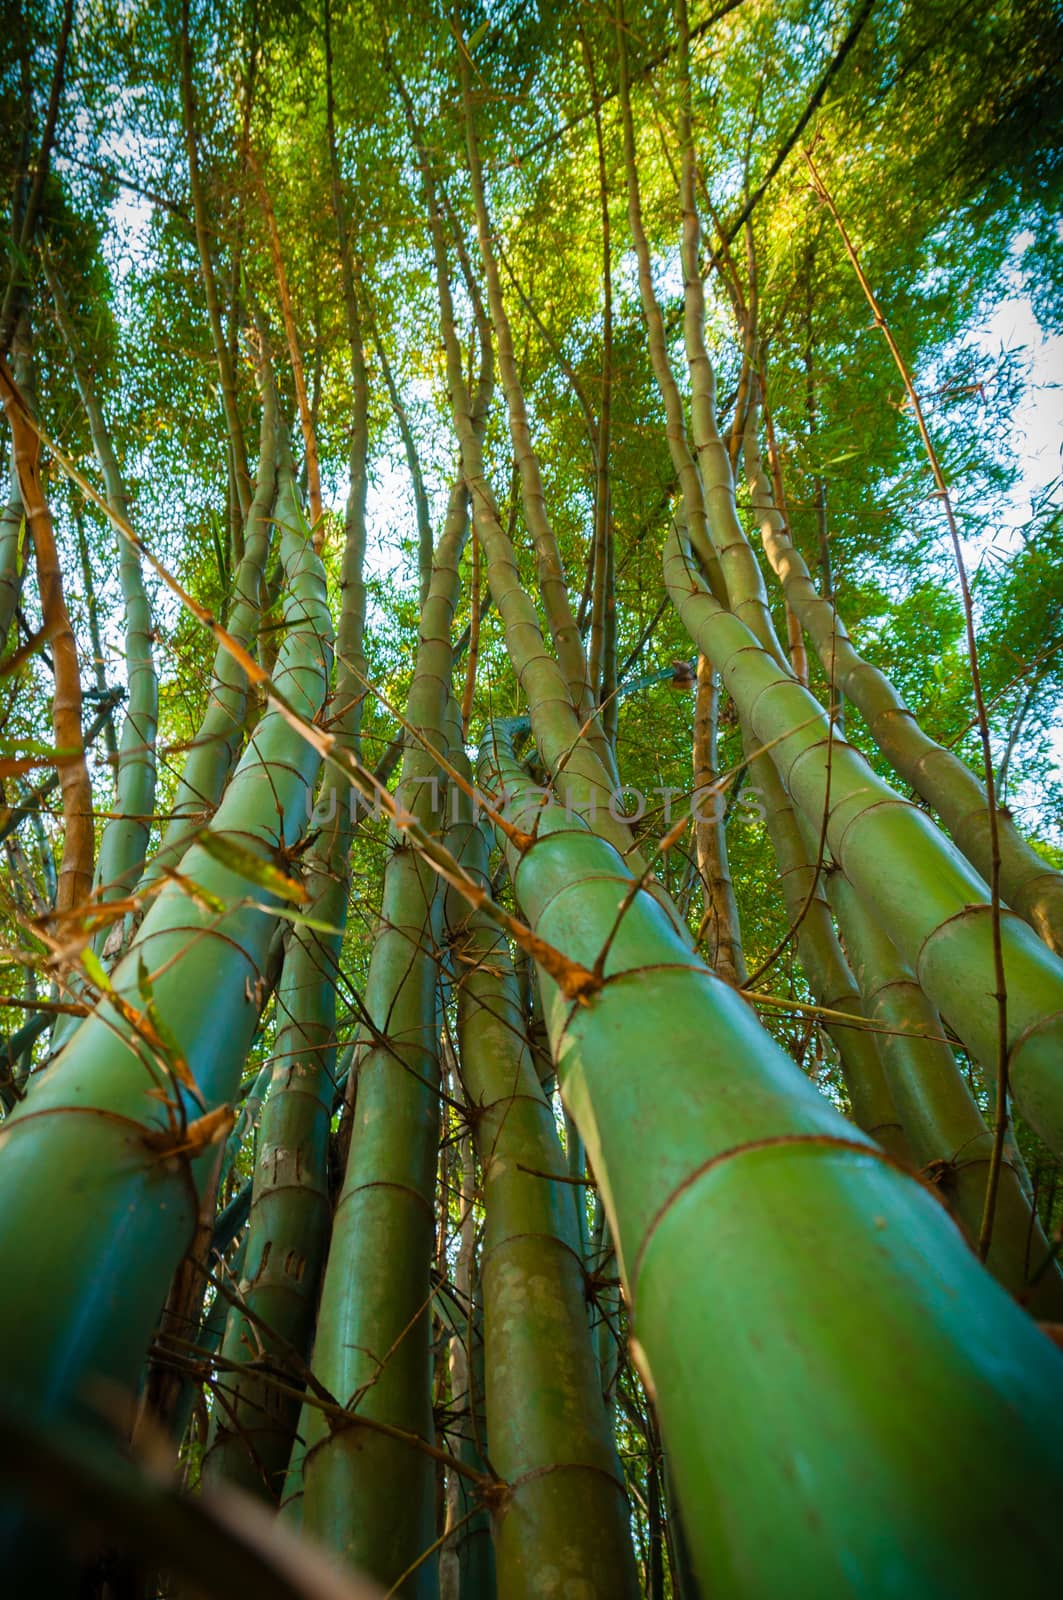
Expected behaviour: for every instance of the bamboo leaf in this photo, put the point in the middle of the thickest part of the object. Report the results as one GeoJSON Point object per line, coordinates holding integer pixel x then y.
{"type": "Point", "coordinates": [197, 893]}
{"type": "Point", "coordinates": [96, 971]}
{"type": "Point", "coordinates": [239, 859]}
{"type": "Point", "coordinates": [165, 1036]}
{"type": "Point", "coordinates": [301, 920]}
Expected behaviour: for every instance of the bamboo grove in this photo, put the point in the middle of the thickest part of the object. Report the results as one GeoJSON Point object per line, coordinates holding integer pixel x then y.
{"type": "Point", "coordinates": [533, 899]}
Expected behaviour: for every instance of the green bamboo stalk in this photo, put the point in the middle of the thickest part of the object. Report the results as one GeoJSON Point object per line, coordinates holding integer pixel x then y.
{"type": "Point", "coordinates": [578, 772]}
{"type": "Point", "coordinates": [311, 465]}
{"type": "Point", "coordinates": [13, 531]}
{"type": "Point", "coordinates": [203, 231]}
{"type": "Point", "coordinates": [602, 661]}
{"type": "Point", "coordinates": [532, 1007]}
{"type": "Point", "coordinates": [11, 566]}
{"type": "Point", "coordinates": [246, 1119]}
{"type": "Point", "coordinates": [795, 637]}
{"type": "Point", "coordinates": [566, 1506]}
{"type": "Point", "coordinates": [797, 848]}
{"type": "Point", "coordinates": [742, 578]}
{"type": "Point", "coordinates": [350, 648]}
{"type": "Point", "coordinates": [236, 229]}
{"type": "Point", "coordinates": [818, 946]}
{"type": "Point", "coordinates": [160, 1393]}
{"type": "Point", "coordinates": [290, 1211]}
{"type": "Point", "coordinates": [251, 1436]}
{"type": "Point", "coordinates": [927, 897]}
{"type": "Point", "coordinates": [710, 837]}
{"type": "Point", "coordinates": [216, 742]}
{"type": "Point", "coordinates": [470, 1554]}
{"type": "Point", "coordinates": [369, 1496]}
{"type": "Point", "coordinates": [99, 669]}
{"type": "Point", "coordinates": [981, 714]}
{"type": "Point", "coordinates": [550, 569]}
{"type": "Point", "coordinates": [741, 582]}
{"type": "Point", "coordinates": [805, 1314]}
{"type": "Point", "coordinates": [749, 326]}
{"type": "Point", "coordinates": [124, 843]}
{"type": "Point", "coordinates": [217, 738]}
{"type": "Point", "coordinates": [946, 1132]}
{"type": "Point", "coordinates": [819, 950]}
{"type": "Point", "coordinates": [117, 1112]}
{"type": "Point", "coordinates": [1028, 884]}
{"type": "Point", "coordinates": [708, 496]}
{"type": "Point", "coordinates": [822, 958]}
{"type": "Point", "coordinates": [690, 485]}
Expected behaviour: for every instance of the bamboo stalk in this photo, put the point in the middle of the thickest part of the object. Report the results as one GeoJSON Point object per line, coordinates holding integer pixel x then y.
{"type": "Point", "coordinates": [710, 838]}
{"type": "Point", "coordinates": [12, 518]}
{"type": "Point", "coordinates": [370, 1498]}
{"type": "Point", "coordinates": [217, 738]}
{"type": "Point", "coordinates": [130, 1109]}
{"type": "Point", "coordinates": [547, 1426]}
{"type": "Point", "coordinates": [821, 955]}
{"type": "Point", "coordinates": [75, 866]}
{"type": "Point", "coordinates": [794, 1293]}
{"type": "Point", "coordinates": [603, 614]}
{"type": "Point", "coordinates": [693, 495]}
{"type": "Point", "coordinates": [928, 898]}
{"type": "Point", "coordinates": [291, 334]}
{"type": "Point", "coordinates": [822, 958]}
{"type": "Point", "coordinates": [350, 645]}
{"type": "Point", "coordinates": [578, 772]}
{"type": "Point", "coordinates": [226, 371]}
{"type": "Point", "coordinates": [290, 1215]}
{"type": "Point", "coordinates": [124, 844]}
{"type": "Point", "coordinates": [946, 1132]}
{"type": "Point", "coordinates": [1028, 884]}
{"type": "Point", "coordinates": [552, 586]}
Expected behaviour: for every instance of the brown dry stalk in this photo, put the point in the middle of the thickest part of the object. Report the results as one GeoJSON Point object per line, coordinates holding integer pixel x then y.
{"type": "Point", "coordinates": [75, 869]}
